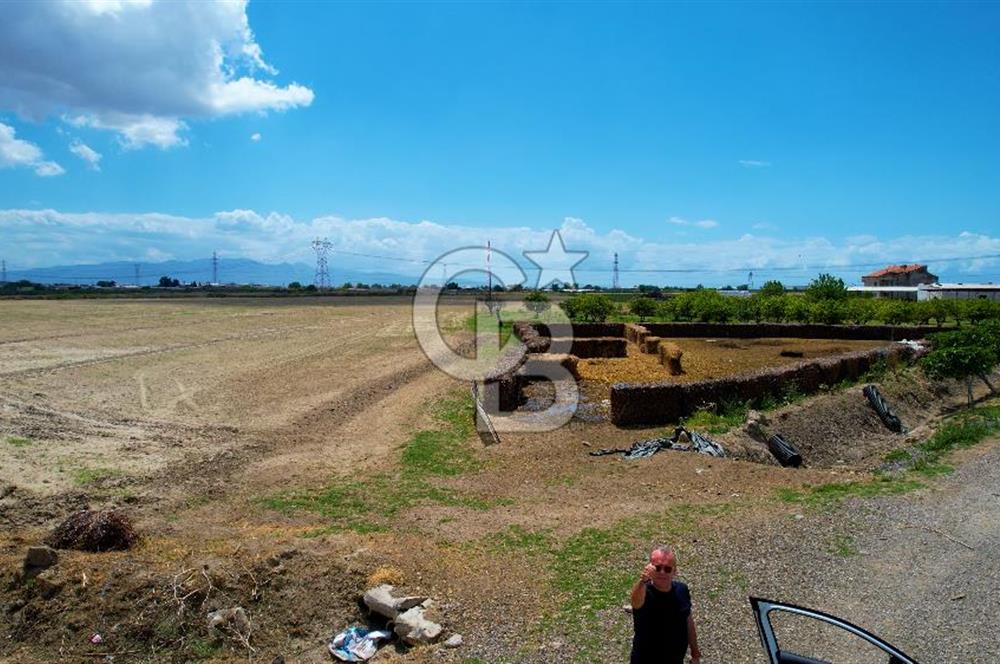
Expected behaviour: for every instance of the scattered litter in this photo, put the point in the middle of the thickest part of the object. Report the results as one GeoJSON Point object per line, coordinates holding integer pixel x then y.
{"type": "Point", "coordinates": [356, 644]}
{"type": "Point", "coordinates": [94, 531]}
{"type": "Point", "coordinates": [881, 406]}
{"type": "Point", "coordinates": [96, 639]}
{"type": "Point", "coordinates": [682, 441]}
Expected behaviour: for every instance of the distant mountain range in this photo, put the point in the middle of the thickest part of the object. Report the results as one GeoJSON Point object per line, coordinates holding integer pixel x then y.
{"type": "Point", "coordinates": [231, 271]}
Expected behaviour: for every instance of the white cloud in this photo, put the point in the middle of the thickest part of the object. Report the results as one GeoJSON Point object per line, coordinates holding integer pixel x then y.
{"type": "Point", "coordinates": [754, 163]}
{"type": "Point", "coordinates": [255, 137]}
{"type": "Point", "coordinates": [702, 223]}
{"type": "Point", "coordinates": [136, 131]}
{"type": "Point", "coordinates": [87, 153]}
{"type": "Point", "coordinates": [17, 152]}
{"type": "Point", "coordinates": [136, 67]}
{"type": "Point", "coordinates": [50, 237]}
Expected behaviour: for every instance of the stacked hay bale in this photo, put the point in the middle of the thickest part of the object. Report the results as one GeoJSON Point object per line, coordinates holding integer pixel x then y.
{"type": "Point", "coordinates": [670, 356]}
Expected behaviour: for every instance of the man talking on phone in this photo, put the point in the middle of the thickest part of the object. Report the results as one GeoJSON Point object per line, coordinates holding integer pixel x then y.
{"type": "Point", "coordinates": [661, 613]}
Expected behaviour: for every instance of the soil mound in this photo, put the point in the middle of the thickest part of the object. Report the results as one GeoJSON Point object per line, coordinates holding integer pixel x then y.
{"type": "Point", "coordinates": [89, 530]}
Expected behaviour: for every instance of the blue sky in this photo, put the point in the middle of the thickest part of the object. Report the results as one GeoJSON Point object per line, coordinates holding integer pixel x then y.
{"type": "Point", "coordinates": [723, 135]}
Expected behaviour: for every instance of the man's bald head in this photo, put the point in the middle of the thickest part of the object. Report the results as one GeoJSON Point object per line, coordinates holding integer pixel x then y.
{"type": "Point", "coordinates": [663, 555]}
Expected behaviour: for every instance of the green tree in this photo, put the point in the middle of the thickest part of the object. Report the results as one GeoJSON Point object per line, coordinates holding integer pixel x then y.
{"type": "Point", "coordinates": [941, 309]}
{"type": "Point", "coordinates": [537, 302]}
{"type": "Point", "coordinates": [772, 288]}
{"type": "Point", "coordinates": [643, 307]}
{"type": "Point", "coordinates": [826, 287]}
{"type": "Point", "coordinates": [964, 354]}
{"type": "Point", "coordinates": [295, 285]}
{"type": "Point", "coordinates": [827, 312]}
{"type": "Point", "coordinates": [860, 310]}
{"type": "Point", "coordinates": [797, 308]}
{"type": "Point", "coordinates": [773, 308]}
{"type": "Point", "coordinates": [588, 307]}
{"type": "Point", "coordinates": [708, 305]}
{"type": "Point", "coordinates": [893, 312]}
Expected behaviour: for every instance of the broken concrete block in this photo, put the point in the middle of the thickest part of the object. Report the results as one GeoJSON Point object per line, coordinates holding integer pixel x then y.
{"type": "Point", "coordinates": [414, 628]}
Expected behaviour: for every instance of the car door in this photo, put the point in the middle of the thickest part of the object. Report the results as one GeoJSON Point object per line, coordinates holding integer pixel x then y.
{"type": "Point", "coordinates": [796, 652]}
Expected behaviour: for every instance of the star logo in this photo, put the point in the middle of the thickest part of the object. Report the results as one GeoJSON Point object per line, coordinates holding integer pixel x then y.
{"type": "Point", "coordinates": [555, 263]}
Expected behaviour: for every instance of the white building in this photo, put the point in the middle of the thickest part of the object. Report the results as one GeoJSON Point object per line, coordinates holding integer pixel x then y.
{"type": "Point", "coordinates": [959, 292]}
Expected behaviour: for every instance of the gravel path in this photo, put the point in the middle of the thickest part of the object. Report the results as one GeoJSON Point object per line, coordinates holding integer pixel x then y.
{"type": "Point", "coordinates": [921, 570]}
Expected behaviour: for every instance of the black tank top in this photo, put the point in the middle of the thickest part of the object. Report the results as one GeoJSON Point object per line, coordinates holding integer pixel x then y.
{"type": "Point", "coordinates": [661, 626]}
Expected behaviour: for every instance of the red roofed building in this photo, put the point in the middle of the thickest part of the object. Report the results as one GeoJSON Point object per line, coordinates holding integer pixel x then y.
{"type": "Point", "coordinates": [900, 275]}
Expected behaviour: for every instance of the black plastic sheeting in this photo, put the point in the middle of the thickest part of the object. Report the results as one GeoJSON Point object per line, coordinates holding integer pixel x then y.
{"type": "Point", "coordinates": [784, 452]}
{"type": "Point", "coordinates": [881, 406]}
{"type": "Point", "coordinates": [647, 448]}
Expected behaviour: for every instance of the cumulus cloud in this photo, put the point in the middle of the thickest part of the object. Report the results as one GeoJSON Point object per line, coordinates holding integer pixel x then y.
{"type": "Point", "coordinates": [50, 237]}
{"type": "Point", "coordinates": [17, 152]}
{"type": "Point", "coordinates": [137, 67]}
{"type": "Point", "coordinates": [701, 223]}
{"type": "Point", "coordinates": [87, 153]}
{"type": "Point", "coordinates": [754, 163]}
{"type": "Point", "coordinates": [255, 137]}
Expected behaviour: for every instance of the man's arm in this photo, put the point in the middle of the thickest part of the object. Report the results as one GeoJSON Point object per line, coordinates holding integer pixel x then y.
{"type": "Point", "coordinates": [639, 594]}
{"type": "Point", "coordinates": [639, 589]}
{"type": "Point", "coordinates": [693, 640]}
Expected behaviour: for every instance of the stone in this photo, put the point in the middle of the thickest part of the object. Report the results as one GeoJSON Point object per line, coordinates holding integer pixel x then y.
{"type": "Point", "coordinates": [454, 641]}
{"type": "Point", "coordinates": [413, 627]}
{"type": "Point", "coordinates": [48, 584]}
{"type": "Point", "coordinates": [380, 600]}
{"type": "Point", "coordinates": [40, 557]}
{"type": "Point", "coordinates": [234, 617]}
{"type": "Point", "coordinates": [756, 425]}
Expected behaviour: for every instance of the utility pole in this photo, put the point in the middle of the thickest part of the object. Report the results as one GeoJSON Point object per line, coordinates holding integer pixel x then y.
{"type": "Point", "coordinates": [3, 271]}
{"type": "Point", "coordinates": [489, 276]}
{"type": "Point", "coordinates": [615, 285]}
{"type": "Point", "coordinates": [322, 249]}
{"type": "Point", "coordinates": [215, 268]}
{"type": "Point", "coordinates": [137, 275]}
{"type": "Point", "coordinates": [750, 280]}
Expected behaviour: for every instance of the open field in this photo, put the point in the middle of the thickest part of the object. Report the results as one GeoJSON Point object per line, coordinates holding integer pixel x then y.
{"type": "Point", "coordinates": [274, 454]}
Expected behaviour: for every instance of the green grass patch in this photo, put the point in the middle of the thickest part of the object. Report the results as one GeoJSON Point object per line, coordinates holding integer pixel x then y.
{"type": "Point", "coordinates": [370, 504]}
{"type": "Point", "coordinates": [719, 422]}
{"type": "Point", "coordinates": [826, 495]}
{"type": "Point", "coordinates": [517, 538]}
{"type": "Point", "coordinates": [843, 546]}
{"type": "Point", "coordinates": [962, 431]}
{"type": "Point", "coordinates": [87, 476]}
{"type": "Point", "coordinates": [18, 441]}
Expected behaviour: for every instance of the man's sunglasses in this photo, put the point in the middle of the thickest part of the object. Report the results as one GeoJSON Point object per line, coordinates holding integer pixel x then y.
{"type": "Point", "coordinates": [666, 569]}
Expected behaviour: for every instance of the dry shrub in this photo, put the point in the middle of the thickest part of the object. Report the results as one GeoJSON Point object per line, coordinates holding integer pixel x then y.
{"type": "Point", "coordinates": [89, 530]}
{"type": "Point", "coordinates": [385, 574]}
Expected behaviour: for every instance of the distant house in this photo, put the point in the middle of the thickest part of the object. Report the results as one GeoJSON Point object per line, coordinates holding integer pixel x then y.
{"type": "Point", "coordinates": [900, 275]}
